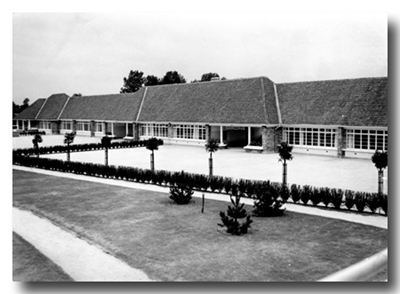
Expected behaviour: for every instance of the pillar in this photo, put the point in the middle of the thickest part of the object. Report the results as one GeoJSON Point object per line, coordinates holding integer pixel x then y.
{"type": "Point", "coordinates": [341, 142]}
{"type": "Point", "coordinates": [248, 136]}
{"type": "Point", "coordinates": [269, 136]}
{"type": "Point", "coordinates": [92, 128]}
{"type": "Point", "coordinates": [208, 132]}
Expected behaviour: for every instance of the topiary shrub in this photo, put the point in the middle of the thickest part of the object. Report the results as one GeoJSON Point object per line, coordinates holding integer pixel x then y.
{"type": "Point", "coordinates": [359, 201]}
{"type": "Point", "coordinates": [315, 196]}
{"type": "Point", "coordinates": [235, 188]}
{"type": "Point", "coordinates": [383, 203]}
{"type": "Point", "coordinates": [372, 201]}
{"type": "Point", "coordinates": [305, 194]}
{"type": "Point", "coordinates": [230, 220]}
{"type": "Point", "coordinates": [337, 198]}
{"type": "Point", "coordinates": [284, 193]}
{"type": "Point", "coordinates": [349, 199]}
{"type": "Point", "coordinates": [181, 193]}
{"type": "Point", "coordinates": [295, 192]}
{"type": "Point", "coordinates": [326, 196]}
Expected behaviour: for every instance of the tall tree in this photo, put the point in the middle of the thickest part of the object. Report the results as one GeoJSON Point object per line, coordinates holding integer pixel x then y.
{"type": "Point", "coordinates": [380, 159]}
{"type": "Point", "coordinates": [36, 140]}
{"type": "Point", "coordinates": [152, 144]}
{"type": "Point", "coordinates": [172, 77]}
{"type": "Point", "coordinates": [133, 83]}
{"type": "Point", "coordinates": [285, 153]}
{"type": "Point", "coordinates": [208, 76]}
{"type": "Point", "coordinates": [151, 81]}
{"type": "Point", "coordinates": [106, 142]}
{"type": "Point", "coordinates": [69, 139]}
{"type": "Point", "coordinates": [212, 146]}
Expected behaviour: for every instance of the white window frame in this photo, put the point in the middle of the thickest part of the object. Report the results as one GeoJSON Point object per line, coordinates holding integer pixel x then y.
{"type": "Point", "coordinates": [66, 125]}
{"type": "Point", "coordinates": [83, 126]}
{"type": "Point", "coordinates": [310, 136]}
{"type": "Point", "coordinates": [367, 139]}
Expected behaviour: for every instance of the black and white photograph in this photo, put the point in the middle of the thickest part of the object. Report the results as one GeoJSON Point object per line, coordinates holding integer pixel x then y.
{"type": "Point", "coordinates": [201, 146]}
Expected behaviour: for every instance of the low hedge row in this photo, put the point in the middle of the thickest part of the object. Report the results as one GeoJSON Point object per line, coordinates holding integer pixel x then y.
{"type": "Point", "coordinates": [82, 147]}
{"type": "Point", "coordinates": [336, 198]}
{"type": "Point", "coordinates": [31, 132]}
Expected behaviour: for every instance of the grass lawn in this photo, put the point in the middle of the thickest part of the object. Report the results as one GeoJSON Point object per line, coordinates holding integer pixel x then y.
{"type": "Point", "coordinates": [29, 265]}
{"type": "Point", "coordinates": [178, 243]}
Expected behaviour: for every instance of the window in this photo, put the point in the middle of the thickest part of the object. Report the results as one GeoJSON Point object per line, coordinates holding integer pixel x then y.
{"type": "Point", "coordinates": [44, 125]}
{"type": "Point", "coordinates": [194, 132]}
{"type": "Point", "coordinates": [99, 127]}
{"type": "Point", "coordinates": [154, 130]}
{"type": "Point", "coordinates": [366, 139]}
{"type": "Point", "coordinates": [83, 126]}
{"type": "Point", "coordinates": [66, 125]}
{"type": "Point", "coordinates": [310, 137]}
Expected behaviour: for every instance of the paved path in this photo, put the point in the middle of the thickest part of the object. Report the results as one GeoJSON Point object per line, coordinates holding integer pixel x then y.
{"type": "Point", "coordinates": [79, 259]}
{"type": "Point", "coordinates": [86, 262]}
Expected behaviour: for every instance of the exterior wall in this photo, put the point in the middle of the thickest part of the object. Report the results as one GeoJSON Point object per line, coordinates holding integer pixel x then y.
{"type": "Point", "coordinates": [315, 150]}
{"type": "Point", "coordinates": [268, 139]}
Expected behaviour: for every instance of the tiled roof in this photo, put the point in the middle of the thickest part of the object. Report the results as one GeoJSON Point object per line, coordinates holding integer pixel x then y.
{"type": "Point", "coordinates": [116, 107]}
{"type": "Point", "coordinates": [244, 101]}
{"type": "Point", "coordinates": [53, 106]}
{"type": "Point", "coordinates": [352, 102]}
{"type": "Point", "coordinates": [31, 111]}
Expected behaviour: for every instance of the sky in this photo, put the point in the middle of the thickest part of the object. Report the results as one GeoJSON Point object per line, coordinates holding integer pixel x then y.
{"type": "Point", "coordinates": [91, 53]}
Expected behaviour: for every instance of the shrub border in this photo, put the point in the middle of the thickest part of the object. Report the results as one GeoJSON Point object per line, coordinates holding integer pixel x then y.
{"type": "Point", "coordinates": [339, 199]}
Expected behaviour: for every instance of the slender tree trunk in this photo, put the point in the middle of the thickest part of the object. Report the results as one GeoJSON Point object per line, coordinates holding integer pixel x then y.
{"type": "Point", "coordinates": [210, 163]}
{"type": "Point", "coordinates": [380, 181]}
{"type": "Point", "coordinates": [68, 154]}
{"type": "Point", "coordinates": [152, 161]}
{"type": "Point", "coordinates": [284, 178]}
{"type": "Point", "coordinates": [106, 156]}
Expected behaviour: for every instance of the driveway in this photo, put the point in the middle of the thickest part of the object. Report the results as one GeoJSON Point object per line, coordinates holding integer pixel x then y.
{"type": "Point", "coordinates": [320, 171]}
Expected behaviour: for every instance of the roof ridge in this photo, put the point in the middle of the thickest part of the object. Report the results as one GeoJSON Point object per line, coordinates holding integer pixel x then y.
{"type": "Point", "coordinates": [333, 80]}
{"type": "Point", "coordinates": [206, 82]}
{"type": "Point", "coordinates": [278, 107]}
{"type": "Point", "coordinates": [37, 114]}
{"type": "Point", "coordinates": [263, 100]}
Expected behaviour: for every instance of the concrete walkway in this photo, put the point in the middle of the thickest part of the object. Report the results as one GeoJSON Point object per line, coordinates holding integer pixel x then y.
{"type": "Point", "coordinates": [80, 260]}
{"type": "Point", "coordinates": [86, 262]}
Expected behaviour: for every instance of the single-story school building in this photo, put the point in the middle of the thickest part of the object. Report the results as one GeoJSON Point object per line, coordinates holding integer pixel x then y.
{"type": "Point", "coordinates": [344, 118]}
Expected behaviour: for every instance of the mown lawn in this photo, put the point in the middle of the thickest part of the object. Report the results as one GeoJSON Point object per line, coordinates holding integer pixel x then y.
{"type": "Point", "coordinates": [179, 243]}
{"type": "Point", "coordinates": [29, 265]}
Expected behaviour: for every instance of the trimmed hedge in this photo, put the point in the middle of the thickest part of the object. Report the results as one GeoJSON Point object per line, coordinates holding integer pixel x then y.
{"type": "Point", "coordinates": [254, 189]}
{"type": "Point", "coordinates": [82, 147]}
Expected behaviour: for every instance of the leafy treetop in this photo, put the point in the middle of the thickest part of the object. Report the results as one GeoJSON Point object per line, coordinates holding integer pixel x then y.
{"type": "Point", "coordinates": [284, 151]}
{"type": "Point", "coordinates": [380, 159]}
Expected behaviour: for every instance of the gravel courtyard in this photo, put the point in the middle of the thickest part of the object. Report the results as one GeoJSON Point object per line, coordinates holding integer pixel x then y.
{"type": "Point", "coordinates": [320, 171]}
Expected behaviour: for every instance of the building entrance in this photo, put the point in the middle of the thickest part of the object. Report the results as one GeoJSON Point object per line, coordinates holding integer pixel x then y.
{"type": "Point", "coordinates": [235, 136]}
